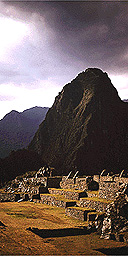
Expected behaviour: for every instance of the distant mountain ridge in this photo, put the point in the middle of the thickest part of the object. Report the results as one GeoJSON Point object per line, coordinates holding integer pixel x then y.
{"type": "Point", "coordinates": [18, 128]}
{"type": "Point", "coordinates": [86, 128]}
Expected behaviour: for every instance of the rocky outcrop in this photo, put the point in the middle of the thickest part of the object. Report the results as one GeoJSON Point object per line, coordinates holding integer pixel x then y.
{"type": "Point", "coordinates": [86, 128]}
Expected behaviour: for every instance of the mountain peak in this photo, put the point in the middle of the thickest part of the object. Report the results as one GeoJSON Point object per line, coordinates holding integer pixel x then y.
{"type": "Point", "coordinates": [82, 128]}
{"type": "Point", "coordinates": [90, 84]}
{"type": "Point", "coordinates": [17, 129]}
{"type": "Point", "coordinates": [94, 71]}
{"type": "Point", "coordinates": [11, 114]}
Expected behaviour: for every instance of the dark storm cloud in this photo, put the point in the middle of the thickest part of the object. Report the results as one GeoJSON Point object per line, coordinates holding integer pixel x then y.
{"type": "Point", "coordinates": [45, 44]}
{"type": "Point", "coordinates": [93, 33]}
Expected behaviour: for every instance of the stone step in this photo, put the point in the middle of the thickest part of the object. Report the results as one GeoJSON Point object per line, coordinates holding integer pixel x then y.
{"type": "Point", "coordinates": [56, 200]}
{"type": "Point", "coordinates": [68, 193]}
{"type": "Point", "coordinates": [98, 204]}
{"type": "Point", "coordinates": [78, 212]}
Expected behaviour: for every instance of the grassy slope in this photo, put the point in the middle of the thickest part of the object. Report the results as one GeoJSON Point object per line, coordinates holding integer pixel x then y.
{"type": "Point", "coordinates": [16, 239]}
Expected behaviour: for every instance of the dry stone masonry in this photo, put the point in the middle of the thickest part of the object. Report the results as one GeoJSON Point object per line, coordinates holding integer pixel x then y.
{"type": "Point", "coordinates": [101, 200]}
{"type": "Point", "coordinates": [115, 223]}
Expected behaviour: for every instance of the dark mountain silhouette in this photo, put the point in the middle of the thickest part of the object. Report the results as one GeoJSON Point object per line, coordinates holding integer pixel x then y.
{"type": "Point", "coordinates": [126, 100]}
{"type": "Point", "coordinates": [17, 129]}
{"type": "Point", "coordinates": [17, 163]}
{"type": "Point", "coordinates": [86, 128]}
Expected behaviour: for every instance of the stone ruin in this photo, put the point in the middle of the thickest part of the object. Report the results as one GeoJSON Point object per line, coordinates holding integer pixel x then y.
{"type": "Point", "coordinates": [114, 222]}
{"type": "Point", "coordinates": [101, 200]}
{"type": "Point", "coordinates": [116, 217]}
{"type": "Point", "coordinates": [29, 188]}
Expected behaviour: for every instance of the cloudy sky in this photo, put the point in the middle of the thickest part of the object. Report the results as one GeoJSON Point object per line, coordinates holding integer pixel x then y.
{"type": "Point", "coordinates": [45, 44]}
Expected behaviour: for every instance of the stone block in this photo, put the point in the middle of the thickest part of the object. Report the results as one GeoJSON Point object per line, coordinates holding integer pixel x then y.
{"type": "Point", "coordinates": [77, 212]}
{"type": "Point", "coordinates": [108, 189]}
{"type": "Point", "coordinates": [56, 200]}
{"type": "Point", "coordinates": [9, 197]}
{"type": "Point", "coordinates": [95, 203]}
{"type": "Point", "coordinates": [81, 183]}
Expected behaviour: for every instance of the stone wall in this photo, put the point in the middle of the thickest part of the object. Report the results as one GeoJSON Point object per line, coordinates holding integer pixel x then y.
{"type": "Point", "coordinates": [99, 205]}
{"type": "Point", "coordinates": [69, 194]}
{"type": "Point", "coordinates": [121, 180]}
{"type": "Point", "coordinates": [63, 185]}
{"type": "Point", "coordinates": [9, 197]}
{"type": "Point", "coordinates": [77, 212]}
{"type": "Point", "coordinates": [64, 178]}
{"type": "Point", "coordinates": [115, 223]}
{"type": "Point", "coordinates": [42, 180]}
{"type": "Point", "coordinates": [56, 201]}
{"type": "Point", "coordinates": [77, 183]}
{"type": "Point", "coordinates": [106, 178]}
{"type": "Point", "coordinates": [81, 183]}
{"type": "Point", "coordinates": [108, 189]}
{"type": "Point", "coordinates": [56, 191]}
{"type": "Point", "coordinates": [96, 178]}
{"type": "Point", "coordinates": [74, 195]}
{"type": "Point", "coordinates": [67, 183]}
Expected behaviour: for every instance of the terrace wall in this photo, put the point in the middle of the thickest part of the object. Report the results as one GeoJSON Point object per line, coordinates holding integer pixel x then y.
{"type": "Point", "coordinates": [81, 183]}
{"type": "Point", "coordinates": [72, 195]}
{"type": "Point", "coordinates": [9, 197]}
{"type": "Point", "coordinates": [76, 213]}
{"type": "Point", "coordinates": [108, 189]}
{"type": "Point", "coordinates": [54, 201]}
{"type": "Point", "coordinates": [98, 205]}
{"type": "Point", "coordinates": [121, 180]}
